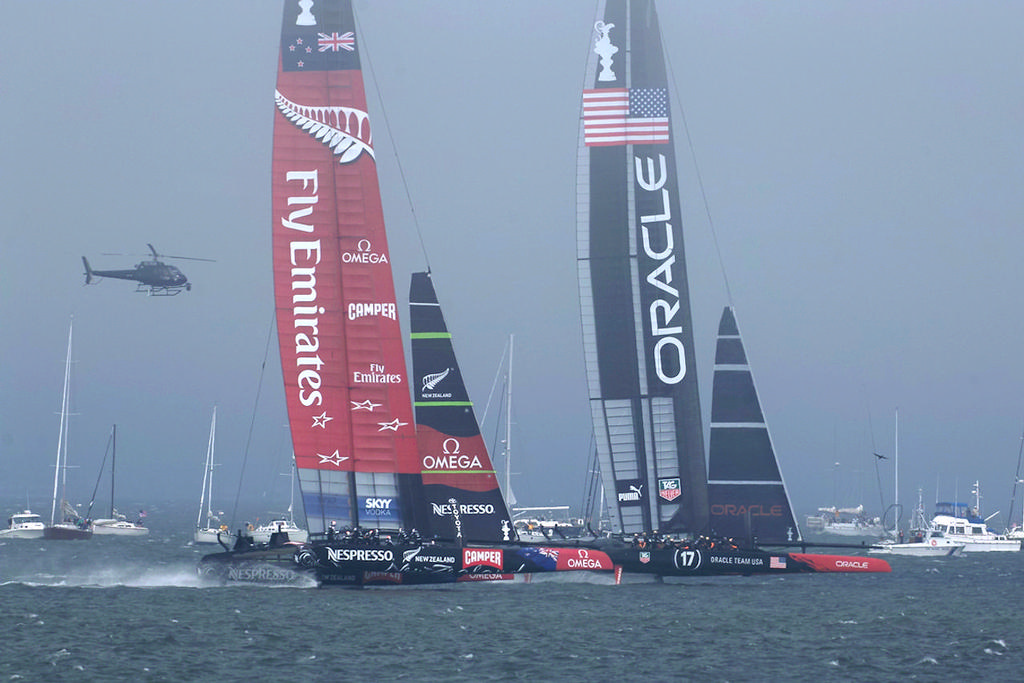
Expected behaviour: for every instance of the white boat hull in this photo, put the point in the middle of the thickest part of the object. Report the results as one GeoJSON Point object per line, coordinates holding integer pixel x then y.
{"type": "Point", "coordinates": [262, 534]}
{"type": "Point", "coordinates": [918, 549]}
{"type": "Point", "coordinates": [23, 525]}
{"type": "Point", "coordinates": [975, 535]}
{"type": "Point", "coordinates": [21, 533]}
{"type": "Point", "coordinates": [210, 536]}
{"type": "Point", "coordinates": [1007, 545]}
{"type": "Point", "coordinates": [102, 527]}
{"type": "Point", "coordinates": [851, 530]}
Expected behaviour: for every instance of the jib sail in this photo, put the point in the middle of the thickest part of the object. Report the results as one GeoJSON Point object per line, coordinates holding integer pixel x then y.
{"type": "Point", "coordinates": [458, 493]}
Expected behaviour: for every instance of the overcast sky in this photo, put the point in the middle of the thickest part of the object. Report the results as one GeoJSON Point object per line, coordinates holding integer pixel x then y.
{"type": "Point", "coordinates": [862, 163]}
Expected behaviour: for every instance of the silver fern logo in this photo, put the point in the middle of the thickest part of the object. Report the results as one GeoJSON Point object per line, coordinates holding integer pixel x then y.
{"type": "Point", "coordinates": [346, 131]}
{"type": "Point", "coordinates": [431, 381]}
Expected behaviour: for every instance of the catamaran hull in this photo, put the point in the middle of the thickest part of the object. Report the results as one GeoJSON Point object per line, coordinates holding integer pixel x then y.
{"type": "Point", "coordinates": [270, 566]}
{"type": "Point", "coordinates": [725, 562]}
{"type": "Point", "coordinates": [347, 564]}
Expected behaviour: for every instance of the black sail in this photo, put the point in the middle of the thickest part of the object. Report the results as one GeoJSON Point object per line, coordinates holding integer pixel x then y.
{"type": "Point", "coordinates": [748, 497]}
{"type": "Point", "coordinates": [457, 494]}
{"type": "Point", "coordinates": [637, 331]}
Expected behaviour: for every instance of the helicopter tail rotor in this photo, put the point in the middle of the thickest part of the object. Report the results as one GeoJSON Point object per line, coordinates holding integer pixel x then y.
{"type": "Point", "coordinates": [88, 271]}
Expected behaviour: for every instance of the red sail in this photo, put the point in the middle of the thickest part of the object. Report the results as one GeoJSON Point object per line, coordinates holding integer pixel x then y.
{"type": "Point", "coordinates": [337, 319]}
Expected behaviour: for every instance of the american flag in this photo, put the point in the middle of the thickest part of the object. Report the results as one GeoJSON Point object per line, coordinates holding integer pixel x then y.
{"type": "Point", "coordinates": [620, 116]}
{"type": "Point", "coordinates": [777, 563]}
{"type": "Point", "coordinates": [335, 41]}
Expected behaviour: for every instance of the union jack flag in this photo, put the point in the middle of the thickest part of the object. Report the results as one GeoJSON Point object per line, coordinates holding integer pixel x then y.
{"type": "Point", "coordinates": [549, 552]}
{"type": "Point", "coordinates": [335, 41]}
{"type": "Point", "coordinates": [777, 563]}
{"type": "Point", "coordinates": [620, 116]}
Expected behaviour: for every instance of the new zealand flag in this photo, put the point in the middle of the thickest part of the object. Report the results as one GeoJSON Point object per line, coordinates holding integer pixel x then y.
{"type": "Point", "coordinates": [544, 558]}
{"type": "Point", "coordinates": [318, 36]}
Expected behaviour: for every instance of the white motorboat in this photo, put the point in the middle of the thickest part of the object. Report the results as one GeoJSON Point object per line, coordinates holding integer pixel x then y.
{"type": "Point", "coordinates": [928, 543]}
{"type": "Point", "coordinates": [924, 541]}
{"type": "Point", "coordinates": [963, 524]}
{"type": "Point", "coordinates": [25, 524]}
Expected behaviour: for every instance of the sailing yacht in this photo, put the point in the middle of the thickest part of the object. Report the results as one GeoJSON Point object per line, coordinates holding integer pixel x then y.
{"type": "Point", "coordinates": [389, 497]}
{"type": "Point", "coordinates": [208, 529]}
{"type": "Point", "coordinates": [67, 525]}
{"type": "Point", "coordinates": [674, 514]}
{"type": "Point", "coordinates": [264, 532]}
{"type": "Point", "coordinates": [117, 524]}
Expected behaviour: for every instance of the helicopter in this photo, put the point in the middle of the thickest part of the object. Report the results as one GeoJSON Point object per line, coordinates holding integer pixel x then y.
{"type": "Point", "coordinates": [153, 276]}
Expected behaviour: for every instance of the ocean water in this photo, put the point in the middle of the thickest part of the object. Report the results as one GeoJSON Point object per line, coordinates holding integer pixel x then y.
{"type": "Point", "coordinates": [114, 609]}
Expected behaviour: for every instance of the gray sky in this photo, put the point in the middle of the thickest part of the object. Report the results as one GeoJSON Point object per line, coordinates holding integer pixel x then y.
{"type": "Point", "coordinates": [862, 163]}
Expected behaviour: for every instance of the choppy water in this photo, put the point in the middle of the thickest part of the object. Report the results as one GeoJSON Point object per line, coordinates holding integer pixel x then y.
{"type": "Point", "coordinates": [115, 609]}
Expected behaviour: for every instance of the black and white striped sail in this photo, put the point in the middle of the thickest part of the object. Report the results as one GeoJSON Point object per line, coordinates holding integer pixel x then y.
{"type": "Point", "coordinates": [637, 332]}
{"type": "Point", "coordinates": [747, 495]}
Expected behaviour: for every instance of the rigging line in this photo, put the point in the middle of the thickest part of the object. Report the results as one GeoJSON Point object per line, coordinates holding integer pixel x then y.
{"type": "Point", "coordinates": [1016, 481]}
{"type": "Point", "coordinates": [252, 421]}
{"type": "Point", "coordinates": [99, 478]}
{"type": "Point", "coordinates": [391, 138]}
{"type": "Point", "coordinates": [497, 376]}
{"type": "Point", "coordinates": [696, 170]}
{"type": "Point", "coordinates": [878, 456]}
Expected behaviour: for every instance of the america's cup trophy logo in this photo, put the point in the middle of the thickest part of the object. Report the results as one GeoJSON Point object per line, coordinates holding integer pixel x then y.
{"type": "Point", "coordinates": [604, 49]}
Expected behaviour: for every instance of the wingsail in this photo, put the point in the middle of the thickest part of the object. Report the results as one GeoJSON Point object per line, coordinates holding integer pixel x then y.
{"type": "Point", "coordinates": [637, 328]}
{"type": "Point", "coordinates": [337, 317]}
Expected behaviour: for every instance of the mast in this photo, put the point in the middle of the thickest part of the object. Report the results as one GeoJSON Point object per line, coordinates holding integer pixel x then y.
{"type": "Point", "coordinates": [206, 497]}
{"type": "Point", "coordinates": [634, 298]}
{"type": "Point", "coordinates": [62, 432]}
{"type": "Point", "coordinates": [509, 496]}
{"type": "Point", "coordinates": [113, 462]}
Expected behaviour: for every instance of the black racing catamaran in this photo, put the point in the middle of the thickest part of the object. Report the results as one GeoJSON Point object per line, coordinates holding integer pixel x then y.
{"type": "Point", "coordinates": [386, 501]}
{"type": "Point", "coordinates": [667, 517]}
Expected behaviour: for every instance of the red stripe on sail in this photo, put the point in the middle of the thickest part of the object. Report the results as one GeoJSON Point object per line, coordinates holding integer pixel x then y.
{"type": "Point", "coordinates": [340, 341]}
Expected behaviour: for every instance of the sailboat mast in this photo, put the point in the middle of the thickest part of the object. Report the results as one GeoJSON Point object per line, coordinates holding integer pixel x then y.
{"type": "Point", "coordinates": [62, 432]}
{"type": "Point", "coordinates": [207, 473]}
{"type": "Point", "coordinates": [113, 462]}
{"type": "Point", "coordinates": [896, 477]}
{"type": "Point", "coordinates": [508, 426]}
